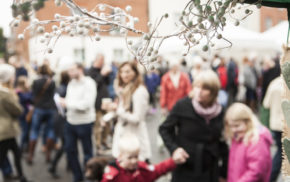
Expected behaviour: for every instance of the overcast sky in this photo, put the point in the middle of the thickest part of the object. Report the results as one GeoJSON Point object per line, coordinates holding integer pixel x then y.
{"type": "Point", "coordinates": [6, 15]}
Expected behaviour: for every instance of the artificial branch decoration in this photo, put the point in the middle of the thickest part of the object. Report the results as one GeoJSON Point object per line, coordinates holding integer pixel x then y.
{"type": "Point", "coordinates": [199, 23]}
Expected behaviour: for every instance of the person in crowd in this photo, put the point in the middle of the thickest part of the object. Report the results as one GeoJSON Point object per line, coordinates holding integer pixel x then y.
{"type": "Point", "coordinates": [25, 98]}
{"type": "Point", "coordinates": [152, 81]}
{"type": "Point", "coordinates": [7, 171]}
{"type": "Point", "coordinates": [232, 81]}
{"type": "Point", "coordinates": [223, 76]}
{"type": "Point", "coordinates": [163, 66]}
{"type": "Point", "coordinates": [20, 70]}
{"type": "Point", "coordinates": [128, 168]}
{"type": "Point", "coordinates": [250, 142]}
{"type": "Point", "coordinates": [100, 74]}
{"type": "Point", "coordinates": [174, 86]}
{"type": "Point", "coordinates": [60, 120]}
{"type": "Point", "coordinates": [80, 105]}
{"type": "Point", "coordinates": [197, 68]}
{"type": "Point", "coordinates": [250, 82]}
{"type": "Point", "coordinates": [10, 111]}
{"type": "Point", "coordinates": [272, 101]}
{"type": "Point", "coordinates": [43, 90]}
{"type": "Point", "coordinates": [133, 104]}
{"type": "Point", "coordinates": [112, 76]}
{"type": "Point", "coordinates": [194, 128]}
{"type": "Point", "coordinates": [271, 70]}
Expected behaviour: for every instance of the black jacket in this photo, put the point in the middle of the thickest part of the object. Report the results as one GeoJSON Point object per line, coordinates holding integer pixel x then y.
{"type": "Point", "coordinates": [102, 84]}
{"type": "Point", "coordinates": [45, 101]}
{"type": "Point", "coordinates": [185, 128]}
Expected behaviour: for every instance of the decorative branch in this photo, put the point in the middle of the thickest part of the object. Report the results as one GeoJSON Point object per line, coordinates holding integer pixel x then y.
{"type": "Point", "coordinates": [197, 22]}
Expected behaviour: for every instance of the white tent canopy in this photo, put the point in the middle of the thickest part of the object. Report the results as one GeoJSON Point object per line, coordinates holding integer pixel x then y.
{"type": "Point", "coordinates": [277, 34]}
{"type": "Point", "coordinates": [243, 41]}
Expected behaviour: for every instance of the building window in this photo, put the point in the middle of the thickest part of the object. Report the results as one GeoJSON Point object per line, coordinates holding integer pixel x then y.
{"type": "Point", "coordinates": [268, 23]}
{"type": "Point", "coordinates": [118, 54]}
{"type": "Point", "coordinates": [79, 55]}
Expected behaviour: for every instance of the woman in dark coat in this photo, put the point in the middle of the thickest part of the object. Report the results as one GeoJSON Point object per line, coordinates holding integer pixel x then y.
{"type": "Point", "coordinates": [194, 129]}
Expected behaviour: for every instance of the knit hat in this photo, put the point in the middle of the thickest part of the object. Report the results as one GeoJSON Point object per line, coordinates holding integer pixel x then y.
{"type": "Point", "coordinates": [6, 73]}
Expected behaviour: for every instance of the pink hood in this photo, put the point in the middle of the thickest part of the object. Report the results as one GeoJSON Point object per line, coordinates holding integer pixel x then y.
{"type": "Point", "coordinates": [252, 162]}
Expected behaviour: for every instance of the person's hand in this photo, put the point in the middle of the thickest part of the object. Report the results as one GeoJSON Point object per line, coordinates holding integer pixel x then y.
{"type": "Point", "coordinates": [106, 70]}
{"type": "Point", "coordinates": [62, 102]}
{"type": "Point", "coordinates": [222, 179]}
{"type": "Point", "coordinates": [180, 156]}
{"type": "Point", "coordinates": [164, 111]}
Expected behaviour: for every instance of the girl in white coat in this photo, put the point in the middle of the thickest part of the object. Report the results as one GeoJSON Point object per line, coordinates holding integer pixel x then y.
{"type": "Point", "coordinates": [131, 109]}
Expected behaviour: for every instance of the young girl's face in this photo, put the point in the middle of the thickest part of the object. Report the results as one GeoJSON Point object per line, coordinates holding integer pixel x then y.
{"type": "Point", "coordinates": [129, 160]}
{"type": "Point", "coordinates": [238, 128]}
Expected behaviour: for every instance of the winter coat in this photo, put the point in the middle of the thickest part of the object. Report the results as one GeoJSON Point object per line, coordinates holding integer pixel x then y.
{"type": "Point", "coordinates": [185, 128]}
{"type": "Point", "coordinates": [10, 110]}
{"type": "Point", "coordinates": [252, 162]}
{"type": "Point", "coordinates": [134, 122]}
{"type": "Point", "coordinates": [102, 83]}
{"type": "Point", "coordinates": [222, 73]}
{"type": "Point", "coordinates": [44, 101]}
{"type": "Point", "coordinates": [25, 99]}
{"type": "Point", "coordinates": [272, 101]}
{"type": "Point", "coordinates": [144, 172]}
{"type": "Point", "coordinates": [169, 95]}
{"type": "Point", "coordinates": [152, 81]}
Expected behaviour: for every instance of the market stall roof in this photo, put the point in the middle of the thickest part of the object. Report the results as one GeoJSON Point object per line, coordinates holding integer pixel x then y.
{"type": "Point", "coordinates": [278, 33]}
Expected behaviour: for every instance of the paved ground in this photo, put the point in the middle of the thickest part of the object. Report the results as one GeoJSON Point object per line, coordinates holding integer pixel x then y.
{"type": "Point", "coordinates": [38, 172]}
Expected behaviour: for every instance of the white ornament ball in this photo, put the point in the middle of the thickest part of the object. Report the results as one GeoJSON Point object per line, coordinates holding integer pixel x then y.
{"type": "Point", "coordinates": [62, 24]}
{"type": "Point", "coordinates": [49, 50]}
{"type": "Point", "coordinates": [128, 8]}
{"type": "Point", "coordinates": [16, 23]}
{"type": "Point", "coordinates": [130, 42]}
{"type": "Point", "coordinates": [80, 31]}
{"type": "Point", "coordinates": [35, 21]}
{"type": "Point", "coordinates": [87, 25]}
{"type": "Point", "coordinates": [57, 16]}
{"type": "Point", "coordinates": [67, 29]}
{"type": "Point", "coordinates": [81, 24]}
{"type": "Point", "coordinates": [96, 29]}
{"type": "Point", "coordinates": [46, 35]}
{"type": "Point", "coordinates": [71, 20]}
{"type": "Point", "coordinates": [42, 40]}
{"type": "Point", "coordinates": [54, 28]}
{"type": "Point", "coordinates": [102, 7]}
{"type": "Point", "coordinates": [76, 18]}
{"type": "Point", "coordinates": [136, 20]}
{"type": "Point", "coordinates": [58, 32]}
{"type": "Point", "coordinates": [71, 34]}
{"type": "Point", "coordinates": [40, 29]}
{"type": "Point", "coordinates": [57, 2]}
{"type": "Point", "coordinates": [97, 37]}
{"type": "Point", "coordinates": [20, 36]}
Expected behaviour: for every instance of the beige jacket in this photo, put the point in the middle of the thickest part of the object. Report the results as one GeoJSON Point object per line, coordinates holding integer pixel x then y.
{"type": "Point", "coordinates": [10, 110]}
{"type": "Point", "coordinates": [134, 123]}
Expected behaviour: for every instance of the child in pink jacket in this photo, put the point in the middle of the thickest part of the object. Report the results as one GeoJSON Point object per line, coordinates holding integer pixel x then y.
{"type": "Point", "coordinates": [250, 156]}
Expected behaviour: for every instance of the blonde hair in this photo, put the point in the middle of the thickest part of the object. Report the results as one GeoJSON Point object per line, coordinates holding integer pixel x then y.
{"type": "Point", "coordinates": [128, 143]}
{"type": "Point", "coordinates": [208, 80]}
{"type": "Point", "coordinates": [239, 112]}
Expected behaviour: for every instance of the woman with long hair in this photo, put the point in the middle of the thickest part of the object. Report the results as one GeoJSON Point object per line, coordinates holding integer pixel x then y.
{"type": "Point", "coordinates": [132, 108]}
{"type": "Point", "coordinates": [43, 90]}
{"type": "Point", "coordinates": [250, 142]}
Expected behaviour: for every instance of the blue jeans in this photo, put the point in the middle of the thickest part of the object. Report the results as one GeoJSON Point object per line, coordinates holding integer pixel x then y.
{"type": "Point", "coordinates": [39, 117]}
{"type": "Point", "coordinates": [24, 133]}
{"type": "Point", "coordinates": [277, 160]}
{"type": "Point", "coordinates": [6, 167]}
{"type": "Point", "coordinates": [73, 133]}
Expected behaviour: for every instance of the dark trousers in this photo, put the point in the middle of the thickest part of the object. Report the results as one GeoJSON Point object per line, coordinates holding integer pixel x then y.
{"type": "Point", "coordinates": [5, 146]}
{"type": "Point", "coordinates": [277, 160]}
{"type": "Point", "coordinates": [73, 133]}
{"type": "Point", "coordinates": [6, 167]}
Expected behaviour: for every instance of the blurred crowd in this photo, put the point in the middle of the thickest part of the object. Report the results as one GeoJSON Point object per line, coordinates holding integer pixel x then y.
{"type": "Point", "coordinates": [220, 119]}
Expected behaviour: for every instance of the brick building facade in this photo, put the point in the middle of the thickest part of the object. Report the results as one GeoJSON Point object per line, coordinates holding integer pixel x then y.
{"type": "Point", "coordinates": [271, 16]}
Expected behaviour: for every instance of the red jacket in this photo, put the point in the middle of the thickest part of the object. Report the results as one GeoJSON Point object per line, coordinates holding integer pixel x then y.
{"type": "Point", "coordinates": [144, 172]}
{"type": "Point", "coordinates": [223, 76]}
{"type": "Point", "coordinates": [169, 95]}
